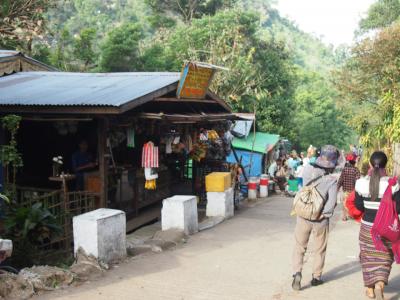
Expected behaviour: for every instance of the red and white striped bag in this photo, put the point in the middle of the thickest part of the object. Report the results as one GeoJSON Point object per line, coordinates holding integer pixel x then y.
{"type": "Point", "coordinates": [150, 156]}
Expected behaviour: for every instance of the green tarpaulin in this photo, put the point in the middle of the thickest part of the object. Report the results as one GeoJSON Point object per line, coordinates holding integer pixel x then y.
{"type": "Point", "coordinates": [263, 142]}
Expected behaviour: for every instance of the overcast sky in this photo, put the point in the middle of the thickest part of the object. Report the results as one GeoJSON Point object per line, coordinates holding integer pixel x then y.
{"type": "Point", "coordinates": [334, 20]}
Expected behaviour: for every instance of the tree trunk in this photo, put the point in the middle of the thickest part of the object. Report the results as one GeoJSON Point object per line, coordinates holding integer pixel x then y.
{"type": "Point", "coordinates": [396, 159]}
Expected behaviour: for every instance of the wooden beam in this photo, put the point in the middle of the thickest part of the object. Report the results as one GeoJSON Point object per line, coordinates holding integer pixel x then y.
{"type": "Point", "coordinates": [39, 119]}
{"type": "Point", "coordinates": [219, 100]}
{"type": "Point", "coordinates": [176, 100]}
{"type": "Point", "coordinates": [102, 131]}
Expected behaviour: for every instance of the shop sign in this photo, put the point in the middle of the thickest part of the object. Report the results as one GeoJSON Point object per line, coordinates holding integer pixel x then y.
{"type": "Point", "coordinates": [195, 80]}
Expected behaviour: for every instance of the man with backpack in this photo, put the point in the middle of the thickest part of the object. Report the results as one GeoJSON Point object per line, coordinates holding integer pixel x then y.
{"type": "Point", "coordinates": [314, 206]}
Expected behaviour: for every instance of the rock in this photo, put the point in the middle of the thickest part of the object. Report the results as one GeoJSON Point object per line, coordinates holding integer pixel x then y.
{"type": "Point", "coordinates": [86, 266]}
{"type": "Point", "coordinates": [13, 287]}
{"type": "Point", "coordinates": [46, 278]}
{"type": "Point", "coordinates": [171, 235]}
{"type": "Point", "coordinates": [134, 250]}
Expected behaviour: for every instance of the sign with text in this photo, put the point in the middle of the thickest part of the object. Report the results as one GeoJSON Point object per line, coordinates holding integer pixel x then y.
{"type": "Point", "coordinates": [195, 80]}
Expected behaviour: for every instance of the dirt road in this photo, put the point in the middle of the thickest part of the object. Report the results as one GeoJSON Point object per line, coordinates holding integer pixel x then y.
{"type": "Point", "coordinates": [247, 257]}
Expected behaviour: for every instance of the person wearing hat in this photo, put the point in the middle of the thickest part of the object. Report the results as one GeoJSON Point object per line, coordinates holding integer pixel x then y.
{"type": "Point", "coordinates": [320, 175]}
{"type": "Point", "coordinates": [347, 181]}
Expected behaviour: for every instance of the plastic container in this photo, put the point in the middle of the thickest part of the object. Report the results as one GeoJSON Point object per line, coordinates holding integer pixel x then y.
{"type": "Point", "coordinates": [252, 188]}
{"type": "Point", "coordinates": [218, 181]}
{"type": "Point", "coordinates": [264, 183]}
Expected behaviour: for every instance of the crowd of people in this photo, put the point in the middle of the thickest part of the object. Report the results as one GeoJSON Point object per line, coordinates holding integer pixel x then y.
{"type": "Point", "coordinates": [287, 171]}
{"type": "Point", "coordinates": [363, 198]}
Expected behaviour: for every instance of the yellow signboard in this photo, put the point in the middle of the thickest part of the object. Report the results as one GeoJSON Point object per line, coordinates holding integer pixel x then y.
{"type": "Point", "coordinates": [195, 80]}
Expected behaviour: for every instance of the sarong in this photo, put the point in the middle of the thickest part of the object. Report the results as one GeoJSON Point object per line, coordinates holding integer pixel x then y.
{"type": "Point", "coordinates": [376, 265]}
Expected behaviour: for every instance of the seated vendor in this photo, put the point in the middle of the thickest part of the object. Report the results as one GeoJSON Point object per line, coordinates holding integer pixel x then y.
{"type": "Point", "coordinates": [82, 161]}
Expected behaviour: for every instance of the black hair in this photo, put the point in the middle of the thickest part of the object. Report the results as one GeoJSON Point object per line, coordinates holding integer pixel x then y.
{"type": "Point", "coordinates": [378, 161]}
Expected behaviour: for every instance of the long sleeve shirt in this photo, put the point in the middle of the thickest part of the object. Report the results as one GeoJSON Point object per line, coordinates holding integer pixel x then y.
{"type": "Point", "coordinates": [348, 178]}
{"type": "Point", "coordinates": [326, 186]}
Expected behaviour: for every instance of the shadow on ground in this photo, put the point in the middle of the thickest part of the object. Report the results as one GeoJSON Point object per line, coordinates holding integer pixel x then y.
{"type": "Point", "coordinates": [394, 287]}
{"type": "Point", "coordinates": [339, 272]}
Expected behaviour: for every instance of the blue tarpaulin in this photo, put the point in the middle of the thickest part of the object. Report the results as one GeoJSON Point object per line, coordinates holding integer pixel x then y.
{"type": "Point", "coordinates": [256, 162]}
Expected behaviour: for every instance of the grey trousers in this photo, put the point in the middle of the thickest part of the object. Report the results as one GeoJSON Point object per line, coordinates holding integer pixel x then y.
{"type": "Point", "coordinates": [319, 232]}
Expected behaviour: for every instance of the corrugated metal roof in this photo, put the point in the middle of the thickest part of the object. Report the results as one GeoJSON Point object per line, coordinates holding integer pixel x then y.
{"type": "Point", "coordinates": [8, 53]}
{"type": "Point", "coordinates": [88, 89]}
{"type": "Point", "coordinates": [262, 143]}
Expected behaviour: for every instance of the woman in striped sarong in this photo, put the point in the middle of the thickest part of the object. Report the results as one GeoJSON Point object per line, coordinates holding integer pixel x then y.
{"type": "Point", "coordinates": [376, 265]}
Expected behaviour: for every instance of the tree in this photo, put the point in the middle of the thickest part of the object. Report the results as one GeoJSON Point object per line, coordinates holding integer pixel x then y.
{"type": "Point", "coordinates": [21, 21]}
{"type": "Point", "coordinates": [381, 14]}
{"type": "Point", "coordinates": [318, 120]}
{"type": "Point", "coordinates": [120, 51]}
{"type": "Point", "coordinates": [260, 72]}
{"type": "Point", "coordinates": [369, 89]}
{"type": "Point", "coordinates": [188, 9]}
{"type": "Point", "coordinates": [83, 47]}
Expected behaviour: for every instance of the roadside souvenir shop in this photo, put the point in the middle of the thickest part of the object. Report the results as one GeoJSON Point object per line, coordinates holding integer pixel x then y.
{"type": "Point", "coordinates": [149, 136]}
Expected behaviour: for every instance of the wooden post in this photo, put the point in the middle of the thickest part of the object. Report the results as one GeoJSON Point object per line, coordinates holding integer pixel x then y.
{"type": "Point", "coordinates": [396, 159]}
{"type": "Point", "coordinates": [102, 130]}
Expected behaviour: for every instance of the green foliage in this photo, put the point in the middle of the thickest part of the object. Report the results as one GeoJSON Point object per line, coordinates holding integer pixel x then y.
{"type": "Point", "coordinates": [260, 75]}
{"type": "Point", "coordinates": [35, 224]}
{"type": "Point", "coordinates": [265, 53]}
{"type": "Point", "coordinates": [318, 120]}
{"type": "Point", "coordinates": [83, 47]}
{"type": "Point", "coordinates": [381, 14]}
{"type": "Point", "coordinates": [29, 228]}
{"type": "Point", "coordinates": [10, 158]}
{"type": "Point", "coordinates": [120, 51]}
{"type": "Point", "coordinates": [187, 10]}
{"type": "Point", "coordinates": [368, 86]}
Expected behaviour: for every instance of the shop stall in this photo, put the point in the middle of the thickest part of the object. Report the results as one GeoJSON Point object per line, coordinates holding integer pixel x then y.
{"type": "Point", "coordinates": [119, 140]}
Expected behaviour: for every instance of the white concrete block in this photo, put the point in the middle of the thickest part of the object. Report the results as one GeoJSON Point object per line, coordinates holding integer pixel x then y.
{"type": "Point", "coordinates": [220, 204]}
{"type": "Point", "coordinates": [102, 233]}
{"type": "Point", "coordinates": [180, 212]}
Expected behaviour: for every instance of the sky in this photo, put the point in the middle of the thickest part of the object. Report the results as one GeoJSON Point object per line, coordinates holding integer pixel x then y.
{"type": "Point", "coordinates": [333, 20]}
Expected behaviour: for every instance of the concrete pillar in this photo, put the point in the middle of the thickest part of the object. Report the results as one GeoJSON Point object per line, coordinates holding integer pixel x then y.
{"type": "Point", "coordinates": [180, 212]}
{"type": "Point", "coordinates": [220, 204]}
{"type": "Point", "coordinates": [102, 233]}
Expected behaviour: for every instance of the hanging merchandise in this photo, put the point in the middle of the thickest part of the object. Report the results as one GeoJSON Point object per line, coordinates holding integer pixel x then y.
{"type": "Point", "coordinates": [168, 144]}
{"type": "Point", "coordinates": [212, 135]}
{"type": "Point", "coordinates": [130, 137]}
{"type": "Point", "coordinates": [150, 175]}
{"type": "Point", "coordinates": [188, 143]}
{"type": "Point", "coordinates": [203, 135]}
{"type": "Point", "coordinates": [176, 140]}
{"type": "Point", "coordinates": [149, 163]}
{"type": "Point", "coordinates": [198, 152]}
{"type": "Point", "coordinates": [150, 156]}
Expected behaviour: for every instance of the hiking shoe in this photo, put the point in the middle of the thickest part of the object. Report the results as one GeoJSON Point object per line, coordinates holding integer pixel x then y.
{"type": "Point", "coordinates": [296, 284]}
{"type": "Point", "coordinates": [316, 282]}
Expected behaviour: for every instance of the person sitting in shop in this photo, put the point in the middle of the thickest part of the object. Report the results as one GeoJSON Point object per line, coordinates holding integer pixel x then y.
{"type": "Point", "coordinates": [82, 161]}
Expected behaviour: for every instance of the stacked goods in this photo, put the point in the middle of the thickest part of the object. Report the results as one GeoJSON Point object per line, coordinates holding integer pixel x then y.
{"type": "Point", "coordinates": [198, 152]}
{"type": "Point", "coordinates": [212, 135]}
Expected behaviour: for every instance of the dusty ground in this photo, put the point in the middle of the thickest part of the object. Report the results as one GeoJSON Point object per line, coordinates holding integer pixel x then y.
{"type": "Point", "coordinates": [247, 257]}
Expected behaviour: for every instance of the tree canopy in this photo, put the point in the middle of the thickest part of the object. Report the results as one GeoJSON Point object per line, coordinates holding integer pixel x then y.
{"type": "Point", "coordinates": [275, 69]}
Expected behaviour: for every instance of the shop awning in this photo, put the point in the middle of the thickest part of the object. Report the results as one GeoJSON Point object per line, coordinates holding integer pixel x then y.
{"type": "Point", "coordinates": [263, 142]}
{"type": "Point", "coordinates": [189, 118]}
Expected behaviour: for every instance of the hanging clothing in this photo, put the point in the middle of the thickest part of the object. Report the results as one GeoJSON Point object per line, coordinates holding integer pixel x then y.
{"type": "Point", "coordinates": [130, 137]}
{"type": "Point", "coordinates": [150, 156]}
{"type": "Point", "coordinates": [168, 144]}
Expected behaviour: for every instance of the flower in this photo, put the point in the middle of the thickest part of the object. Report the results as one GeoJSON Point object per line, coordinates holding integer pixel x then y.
{"type": "Point", "coordinates": [55, 159]}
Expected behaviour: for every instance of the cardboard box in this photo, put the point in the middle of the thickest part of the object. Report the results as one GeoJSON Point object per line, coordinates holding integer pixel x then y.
{"type": "Point", "coordinates": [218, 181]}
